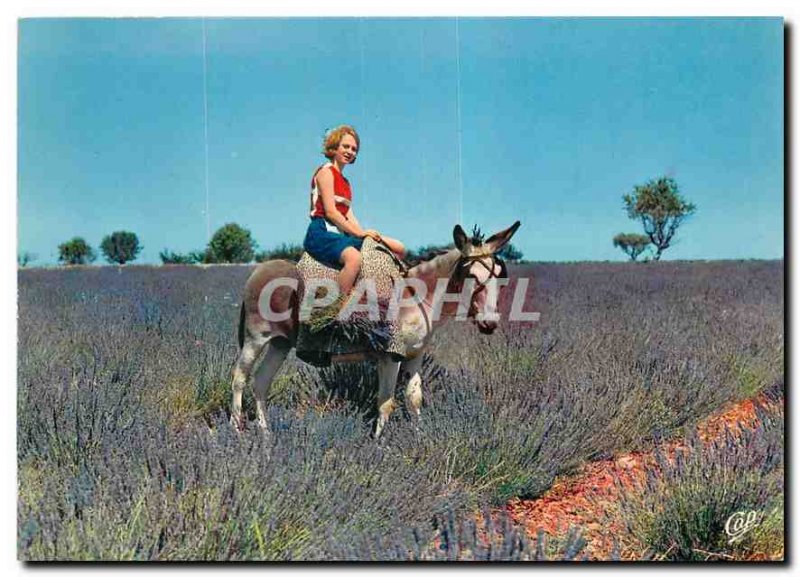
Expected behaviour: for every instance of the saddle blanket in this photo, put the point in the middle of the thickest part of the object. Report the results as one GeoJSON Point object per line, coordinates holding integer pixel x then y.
{"type": "Point", "coordinates": [357, 334]}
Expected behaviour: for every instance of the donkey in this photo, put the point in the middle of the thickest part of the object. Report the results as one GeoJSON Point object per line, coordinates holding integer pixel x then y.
{"type": "Point", "coordinates": [472, 261]}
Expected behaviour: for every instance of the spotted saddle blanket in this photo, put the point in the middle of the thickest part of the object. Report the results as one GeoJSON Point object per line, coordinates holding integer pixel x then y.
{"type": "Point", "coordinates": [357, 334]}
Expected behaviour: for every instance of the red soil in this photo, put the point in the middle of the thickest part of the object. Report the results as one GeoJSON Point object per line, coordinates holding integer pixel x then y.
{"type": "Point", "coordinates": [583, 499]}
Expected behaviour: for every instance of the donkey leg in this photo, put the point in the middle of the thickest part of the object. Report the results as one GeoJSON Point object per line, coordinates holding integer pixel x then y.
{"type": "Point", "coordinates": [387, 379]}
{"type": "Point", "coordinates": [274, 356]}
{"type": "Point", "coordinates": [410, 371]}
{"type": "Point", "coordinates": [251, 350]}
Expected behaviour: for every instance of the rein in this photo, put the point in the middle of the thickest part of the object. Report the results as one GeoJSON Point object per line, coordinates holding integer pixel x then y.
{"type": "Point", "coordinates": [402, 265]}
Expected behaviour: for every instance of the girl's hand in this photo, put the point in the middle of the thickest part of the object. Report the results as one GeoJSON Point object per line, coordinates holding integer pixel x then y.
{"type": "Point", "coordinates": [374, 234]}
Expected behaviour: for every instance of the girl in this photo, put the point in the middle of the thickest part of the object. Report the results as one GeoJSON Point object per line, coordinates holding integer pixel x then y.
{"type": "Point", "coordinates": [334, 236]}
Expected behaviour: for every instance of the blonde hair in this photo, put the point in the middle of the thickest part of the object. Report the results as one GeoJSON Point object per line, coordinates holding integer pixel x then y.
{"type": "Point", "coordinates": [334, 137]}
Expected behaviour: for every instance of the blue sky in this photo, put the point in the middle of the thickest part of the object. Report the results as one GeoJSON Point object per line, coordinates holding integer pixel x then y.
{"type": "Point", "coordinates": [558, 119]}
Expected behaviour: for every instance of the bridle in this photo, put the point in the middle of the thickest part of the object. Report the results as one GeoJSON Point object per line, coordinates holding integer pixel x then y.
{"type": "Point", "coordinates": [462, 273]}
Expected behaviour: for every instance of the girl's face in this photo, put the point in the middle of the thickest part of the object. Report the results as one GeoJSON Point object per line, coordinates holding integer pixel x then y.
{"type": "Point", "coordinates": [347, 151]}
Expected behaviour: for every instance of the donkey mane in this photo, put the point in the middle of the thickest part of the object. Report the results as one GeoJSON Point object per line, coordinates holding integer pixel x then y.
{"type": "Point", "coordinates": [477, 236]}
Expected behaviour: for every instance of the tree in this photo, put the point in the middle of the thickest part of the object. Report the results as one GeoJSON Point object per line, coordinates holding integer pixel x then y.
{"type": "Point", "coordinates": [25, 258]}
{"type": "Point", "coordinates": [76, 251]}
{"type": "Point", "coordinates": [231, 243]}
{"type": "Point", "coordinates": [631, 243]}
{"type": "Point", "coordinates": [120, 247]}
{"type": "Point", "coordinates": [661, 209]}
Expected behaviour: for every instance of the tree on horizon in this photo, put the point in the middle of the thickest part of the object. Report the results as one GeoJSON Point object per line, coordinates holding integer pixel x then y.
{"type": "Point", "coordinates": [120, 247]}
{"type": "Point", "coordinates": [76, 251]}
{"type": "Point", "coordinates": [661, 209]}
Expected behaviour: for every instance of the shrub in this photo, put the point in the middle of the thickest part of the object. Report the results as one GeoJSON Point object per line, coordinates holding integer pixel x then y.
{"type": "Point", "coordinates": [427, 251]}
{"type": "Point", "coordinates": [510, 254]}
{"type": "Point", "coordinates": [169, 257]}
{"type": "Point", "coordinates": [206, 256]}
{"type": "Point", "coordinates": [291, 252]}
{"type": "Point", "coordinates": [25, 258]}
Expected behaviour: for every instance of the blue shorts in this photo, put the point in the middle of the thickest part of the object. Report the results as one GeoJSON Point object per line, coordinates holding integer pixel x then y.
{"type": "Point", "coordinates": [327, 246]}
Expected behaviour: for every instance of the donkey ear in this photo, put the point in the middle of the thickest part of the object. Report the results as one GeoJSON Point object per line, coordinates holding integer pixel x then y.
{"type": "Point", "coordinates": [459, 237]}
{"type": "Point", "coordinates": [499, 240]}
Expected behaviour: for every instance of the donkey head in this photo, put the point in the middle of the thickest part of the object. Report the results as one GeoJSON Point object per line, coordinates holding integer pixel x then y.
{"type": "Point", "coordinates": [480, 263]}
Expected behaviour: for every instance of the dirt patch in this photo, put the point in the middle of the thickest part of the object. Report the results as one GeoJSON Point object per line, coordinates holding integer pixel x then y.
{"type": "Point", "coordinates": [584, 499]}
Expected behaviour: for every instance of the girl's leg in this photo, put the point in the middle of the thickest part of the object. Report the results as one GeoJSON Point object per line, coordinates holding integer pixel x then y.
{"type": "Point", "coordinates": [351, 259]}
{"type": "Point", "coordinates": [396, 246]}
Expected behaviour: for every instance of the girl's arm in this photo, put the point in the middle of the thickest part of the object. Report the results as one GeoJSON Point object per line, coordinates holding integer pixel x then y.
{"type": "Point", "coordinates": [325, 184]}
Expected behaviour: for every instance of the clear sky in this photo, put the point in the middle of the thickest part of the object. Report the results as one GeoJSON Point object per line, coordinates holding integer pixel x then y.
{"type": "Point", "coordinates": [558, 119]}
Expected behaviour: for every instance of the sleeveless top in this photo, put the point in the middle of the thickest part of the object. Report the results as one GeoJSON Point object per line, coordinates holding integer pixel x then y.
{"type": "Point", "coordinates": [341, 193]}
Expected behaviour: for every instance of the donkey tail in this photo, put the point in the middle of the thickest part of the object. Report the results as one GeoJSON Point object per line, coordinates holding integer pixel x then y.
{"type": "Point", "coordinates": [241, 326]}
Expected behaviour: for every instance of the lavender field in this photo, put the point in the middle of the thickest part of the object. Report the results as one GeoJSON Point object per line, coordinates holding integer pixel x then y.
{"type": "Point", "coordinates": [125, 452]}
